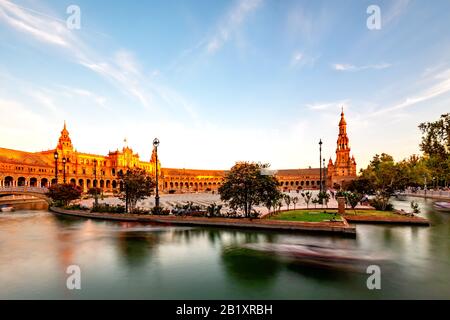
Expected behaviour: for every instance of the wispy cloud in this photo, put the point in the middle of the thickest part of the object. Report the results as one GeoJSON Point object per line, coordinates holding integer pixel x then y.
{"type": "Point", "coordinates": [440, 84]}
{"type": "Point", "coordinates": [396, 9]}
{"type": "Point", "coordinates": [300, 59]}
{"type": "Point", "coordinates": [122, 69]}
{"type": "Point", "coordinates": [334, 105]}
{"type": "Point", "coordinates": [350, 67]}
{"type": "Point", "coordinates": [231, 23]}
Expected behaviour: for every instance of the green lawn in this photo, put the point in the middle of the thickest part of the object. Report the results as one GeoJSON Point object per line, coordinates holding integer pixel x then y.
{"type": "Point", "coordinates": [371, 213]}
{"type": "Point", "coordinates": [305, 216]}
{"type": "Point", "coordinates": [314, 215]}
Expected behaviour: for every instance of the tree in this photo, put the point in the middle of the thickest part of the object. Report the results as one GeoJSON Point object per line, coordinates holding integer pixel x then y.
{"type": "Point", "coordinates": [323, 198]}
{"type": "Point", "coordinates": [436, 137]}
{"type": "Point", "coordinates": [287, 200]}
{"type": "Point", "coordinates": [435, 145]}
{"type": "Point", "coordinates": [136, 185]}
{"type": "Point", "coordinates": [246, 185]}
{"type": "Point", "coordinates": [353, 198]}
{"type": "Point", "coordinates": [295, 201]}
{"type": "Point", "coordinates": [64, 193]}
{"type": "Point", "coordinates": [384, 177]}
{"type": "Point", "coordinates": [307, 197]}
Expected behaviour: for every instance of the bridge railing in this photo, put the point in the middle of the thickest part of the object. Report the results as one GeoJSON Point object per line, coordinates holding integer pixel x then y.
{"type": "Point", "coordinates": [430, 193]}
{"type": "Point", "coordinates": [24, 189]}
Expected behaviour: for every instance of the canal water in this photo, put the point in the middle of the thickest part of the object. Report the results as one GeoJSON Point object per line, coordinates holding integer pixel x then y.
{"type": "Point", "coordinates": [120, 260]}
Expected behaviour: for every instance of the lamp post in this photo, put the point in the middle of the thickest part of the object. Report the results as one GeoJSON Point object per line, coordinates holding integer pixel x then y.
{"type": "Point", "coordinates": [155, 145]}
{"type": "Point", "coordinates": [64, 169]}
{"type": "Point", "coordinates": [95, 182]}
{"type": "Point", "coordinates": [55, 155]}
{"type": "Point", "coordinates": [320, 163]}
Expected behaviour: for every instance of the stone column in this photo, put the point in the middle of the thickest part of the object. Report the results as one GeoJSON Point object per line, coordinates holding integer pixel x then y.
{"type": "Point", "coordinates": [341, 205]}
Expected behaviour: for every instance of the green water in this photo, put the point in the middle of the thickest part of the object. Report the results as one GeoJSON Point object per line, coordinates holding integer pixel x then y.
{"type": "Point", "coordinates": [139, 261]}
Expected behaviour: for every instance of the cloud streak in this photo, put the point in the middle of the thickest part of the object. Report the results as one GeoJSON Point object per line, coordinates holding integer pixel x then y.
{"type": "Point", "coordinates": [353, 68]}
{"type": "Point", "coordinates": [122, 70]}
{"type": "Point", "coordinates": [440, 86]}
{"type": "Point", "coordinates": [231, 23]}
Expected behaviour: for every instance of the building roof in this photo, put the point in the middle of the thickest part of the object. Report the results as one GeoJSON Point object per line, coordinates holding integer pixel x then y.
{"type": "Point", "coordinates": [22, 157]}
{"type": "Point", "coordinates": [299, 172]}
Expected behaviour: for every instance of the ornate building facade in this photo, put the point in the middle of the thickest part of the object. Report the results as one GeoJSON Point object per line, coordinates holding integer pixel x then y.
{"type": "Point", "coordinates": [39, 169]}
{"type": "Point", "coordinates": [344, 168]}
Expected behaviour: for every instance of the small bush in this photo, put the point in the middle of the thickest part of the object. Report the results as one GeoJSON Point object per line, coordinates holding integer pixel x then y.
{"type": "Point", "coordinates": [379, 204]}
{"type": "Point", "coordinates": [140, 211]}
{"type": "Point", "coordinates": [75, 207]}
{"type": "Point", "coordinates": [172, 191]}
{"type": "Point", "coordinates": [160, 211]}
{"type": "Point", "coordinates": [106, 208]}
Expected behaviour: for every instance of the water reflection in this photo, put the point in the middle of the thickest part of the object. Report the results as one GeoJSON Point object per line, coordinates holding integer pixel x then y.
{"type": "Point", "coordinates": [250, 268]}
{"type": "Point", "coordinates": [134, 260]}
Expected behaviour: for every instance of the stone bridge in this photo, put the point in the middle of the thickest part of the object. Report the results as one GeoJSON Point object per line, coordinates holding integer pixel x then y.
{"type": "Point", "coordinates": [38, 192]}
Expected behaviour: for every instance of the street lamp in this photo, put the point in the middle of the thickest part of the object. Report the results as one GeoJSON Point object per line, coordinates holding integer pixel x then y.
{"type": "Point", "coordinates": [95, 182]}
{"type": "Point", "coordinates": [155, 145]}
{"type": "Point", "coordinates": [64, 169]}
{"type": "Point", "coordinates": [320, 162]}
{"type": "Point", "coordinates": [324, 175]}
{"type": "Point", "coordinates": [55, 155]}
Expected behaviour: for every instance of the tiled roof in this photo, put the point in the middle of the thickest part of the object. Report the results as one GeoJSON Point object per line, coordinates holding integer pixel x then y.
{"type": "Point", "coordinates": [22, 157]}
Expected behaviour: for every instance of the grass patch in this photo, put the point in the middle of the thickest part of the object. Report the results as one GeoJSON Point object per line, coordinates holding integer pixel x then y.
{"type": "Point", "coordinates": [306, 216]}
{"type": "Point", "coordinates": [319, 216]}
{"type": "Point", "coordinates": [371, 213]}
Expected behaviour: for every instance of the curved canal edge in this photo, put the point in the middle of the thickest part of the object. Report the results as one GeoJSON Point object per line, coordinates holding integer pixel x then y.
{"type": "Point", "coordinates": [338, 227]}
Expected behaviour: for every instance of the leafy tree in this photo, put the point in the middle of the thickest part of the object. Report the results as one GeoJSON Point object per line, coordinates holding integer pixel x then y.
{"type": "Point", "coordinates": [353, 198]}
{"type": "Point", "coordinates": [384, 176]}
{"type": "Point", "coordinates": [307, 197]}
{"type": "Point", "coordinates": [323, 197]}
{"type": "Point", "coordinates": [136, 185]}
{"type": "Point", "coordinates": [287, 200]}
{"type": "Point", "coordinates": [246, 186]}
{"type": "Point", "coordinates": [436, 137]}
{"type": "Point", "coordinates": [64, 193]}
{"type": "Point", "coordinates": [295, 201]}
{"type": "Point", "coordinates": [435, 145]}
{"type": "Point", "coordinates": [315, 202]}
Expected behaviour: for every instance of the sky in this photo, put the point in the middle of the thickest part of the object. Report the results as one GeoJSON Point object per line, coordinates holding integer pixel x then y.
{"type": "Point", "coordinates": [223, 81]}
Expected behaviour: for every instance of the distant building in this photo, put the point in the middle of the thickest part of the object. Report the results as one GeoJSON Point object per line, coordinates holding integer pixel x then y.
{"type": "Point", "coordinates": [19, 168]}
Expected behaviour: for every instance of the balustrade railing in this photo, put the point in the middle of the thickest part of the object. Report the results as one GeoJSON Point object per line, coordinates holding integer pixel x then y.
{"type": "Point", "coordinates": [25, 189]}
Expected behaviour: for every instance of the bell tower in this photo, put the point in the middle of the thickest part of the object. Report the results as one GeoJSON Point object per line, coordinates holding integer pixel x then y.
{"type": "Point", "coordinates": [344, 168]}
{"type": "Point", "coordinates": [64, 142]}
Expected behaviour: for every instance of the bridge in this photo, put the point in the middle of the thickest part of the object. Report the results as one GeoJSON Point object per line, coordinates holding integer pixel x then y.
{"type": "Point", "coordinates": [38, 192]}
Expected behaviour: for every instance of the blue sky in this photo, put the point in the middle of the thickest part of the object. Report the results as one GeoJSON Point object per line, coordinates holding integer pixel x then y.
{"type": "Point", "coordinates": [223, 81]}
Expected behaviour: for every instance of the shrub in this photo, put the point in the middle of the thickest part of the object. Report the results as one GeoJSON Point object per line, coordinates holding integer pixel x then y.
{"type": "Point", "coordinates": [159, 211]}
{"type": "Point", "coordinates": [415, 207]}
{"type": "Point", "coordinates": [140, 211]}
{"type": "Point", "coordinates": [75, 207]}
{"type": "Point", "coordinates": [172, 191]}
{"type": "Point", "coordinates": [106, 208]}
{"type": "Point", "coordinates": [380, 204]}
